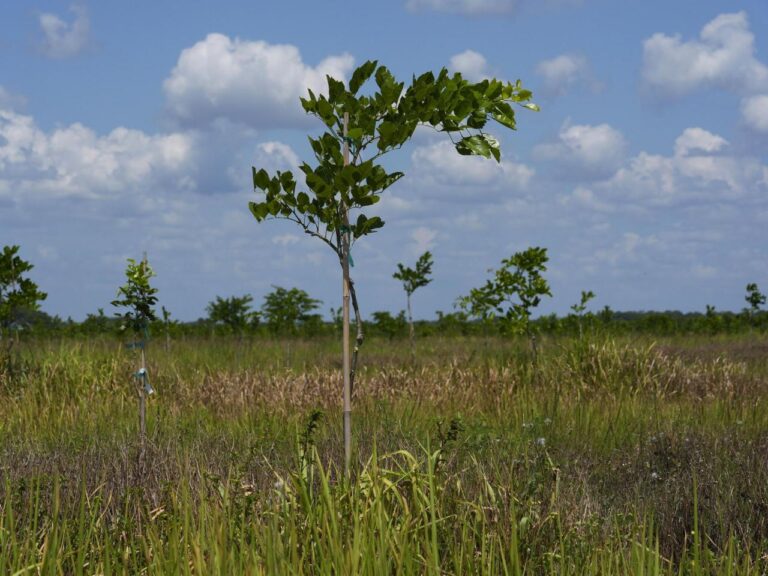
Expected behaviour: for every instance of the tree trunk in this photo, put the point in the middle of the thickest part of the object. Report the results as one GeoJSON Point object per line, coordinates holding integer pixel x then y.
{"type": "Point", "coordinates": [347, 392]}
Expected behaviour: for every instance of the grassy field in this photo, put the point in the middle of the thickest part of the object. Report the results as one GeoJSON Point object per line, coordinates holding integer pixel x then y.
{"type": "Point", "coordinates": [609, 456]}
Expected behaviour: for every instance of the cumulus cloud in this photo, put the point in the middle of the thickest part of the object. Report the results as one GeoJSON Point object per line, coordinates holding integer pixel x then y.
{"type": "Point", "coordinates": [583, 151]}
{"type": "Point", "coordinates": [723, 57]}
{"type": "Point", "coordinates": [252, 83]}
{"type": "Point", "coordinates": [75, 162]}
{"type": "Point", "coordinates": [62, 39]}
{"type": "Point", "coordinates": [472, 65]}
{"type": "Point", "coordinates": [702, 170]}
{"type": "Point", "coordinates": [564, 73]}
{"type": "Point", "coordinates": [754, 111]}
{"type": "Point", "coordinates": [440, 169]}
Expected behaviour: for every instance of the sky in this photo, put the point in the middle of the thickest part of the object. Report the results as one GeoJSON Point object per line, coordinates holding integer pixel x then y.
{"type": "Point", "coordinates": [132, 127]}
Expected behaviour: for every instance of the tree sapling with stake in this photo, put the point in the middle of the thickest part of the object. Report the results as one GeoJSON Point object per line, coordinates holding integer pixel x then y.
{"type": "Point", "coordinates": [138, 297]}
{"type": "Point", "coordinates": [361, 128]}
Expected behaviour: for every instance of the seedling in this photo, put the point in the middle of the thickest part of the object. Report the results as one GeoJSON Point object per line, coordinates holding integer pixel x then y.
{"type": "Point", "coordinates": [361, 129]}
{"type": "Point", "coordinates": [412, 280]}
{"type": "Point", "coordinates": [138, 298]}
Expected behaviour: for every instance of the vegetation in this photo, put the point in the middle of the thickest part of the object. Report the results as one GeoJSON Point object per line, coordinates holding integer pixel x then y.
{"type": "Point", "coordinates": [413, 279]}
{"type": "Point", "coordinates": [514, 291]}
{"type": "Point", "coordinates": [233, 313]}
{"type": "Point", "coordinates": [139, 298]}
{"type": "Point", "coordinates": [17, 295]}
{"type": "Point", "coordinates": [288, 311]}
{"type": "Point", "coordinates": [624, 456]}
{"type": "Point", "coordinates": [348, 175]}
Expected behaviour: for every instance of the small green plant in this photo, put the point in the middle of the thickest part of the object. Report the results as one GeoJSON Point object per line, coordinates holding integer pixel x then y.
{"type": "Point", "coordinates": [580, 308]}
{"type": "Point", "coordinates": [413, 279]}
{"type": "Point", "coordinates": [138, 299]}
{"type": "Point", "coordinates": [17, 294]}
{"type": "Point", "coordinates": [514, 291]}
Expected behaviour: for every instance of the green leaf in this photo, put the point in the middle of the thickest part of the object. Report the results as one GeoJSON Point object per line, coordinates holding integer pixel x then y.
{"type": "Point", "coordinates": [355, 133]}
{"type": "Point", "coordinates": [361, 75]}
{"type": "Point", "coordinates": [260, 179]}
{"type": "Point", "coordinates": [479, 145]}
{"type": "Point", "coordinates": [259, 210]}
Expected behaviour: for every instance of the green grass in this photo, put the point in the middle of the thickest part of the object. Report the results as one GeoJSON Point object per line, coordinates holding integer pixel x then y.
{"type": "Point", "coordinates": [608, 457]}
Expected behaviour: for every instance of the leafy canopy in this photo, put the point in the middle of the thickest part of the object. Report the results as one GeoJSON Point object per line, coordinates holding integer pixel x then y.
{"type": "Point", "coordinates": [413, 279]}
{"type": "Point", "coordinates": [17, 293]}
{"type": "Point", "coordinates": [137, 296]}
{"type": "Point", "coordinates": [285, 309]}
{"type": "Point", "coordinates": [234, 313]}
{"type": "Point", "coordinates": [515, 289]}
{"type": "Point", "coordinates": [379, 122]}
{"type": "Point", "coordinates": [754, 297]}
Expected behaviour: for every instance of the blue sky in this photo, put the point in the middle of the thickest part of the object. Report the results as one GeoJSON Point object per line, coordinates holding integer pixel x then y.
{"type": "Point", "coordinates": [131, 126]}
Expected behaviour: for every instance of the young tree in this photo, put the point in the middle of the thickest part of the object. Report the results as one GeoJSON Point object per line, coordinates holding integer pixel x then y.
{"type": "Point", "coordinates": [580, 308]}
{"type": "Point", "coordinates": [360, 130]}
{"type": "Point", "coordinates": [17, 293]}
{"type": "Point", "coordinates": [754, 298]}
{"type": "Point", "coordinates": [514, 291]}
{"type": "Point", "coordinates": [137, 296]}
{"type": "Point", "coordinates": [412, 280]}
{"type": "Point", "coordinates": [234, 313]}
{"type": "Point", "coordinates": [286, 310]}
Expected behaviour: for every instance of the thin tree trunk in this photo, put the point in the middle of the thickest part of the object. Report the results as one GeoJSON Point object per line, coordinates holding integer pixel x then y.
{"type": "Point", "coordinates": [411, 331]}
{"type": "Point", "coordinates": [346, 285]}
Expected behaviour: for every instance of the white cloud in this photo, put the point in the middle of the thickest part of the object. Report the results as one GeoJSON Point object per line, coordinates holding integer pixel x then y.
{"type": "Point", "coordinates": [724, 57]}
{"type": "Point", "coordinates": [585, 151]}
{"type": "Point", "coordinates": [285, 239]}
{"type": "Point", "coordinates": [75, 162]}
{"type": "Point", "coordinates": [62, 39]}
{"type": "Point", "coordinates": [439, 168]}
{"type": "Point", "coordinates": [472, 65]}
{"type": "Point", "coordinates": [423, 239]}
{"type": "Point", "coordinates": [252, 83]}
{"type": "Point", "coordinates": [701, 171]}
{"type": "Point", "coordinates": [698, 139]}
{"type": "Point", "coordinates": [754, 110]}
{"type": "Point", "coordinates": [564, 73]}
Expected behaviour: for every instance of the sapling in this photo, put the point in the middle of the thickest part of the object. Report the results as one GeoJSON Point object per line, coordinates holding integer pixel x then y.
{"type": "Point", "coordinates": [360, 130]}
{"type": "Point", "coordinates": [138, 298]}
{"type": "Point", "coordinates": [16, 293]}
{"type": "Point", "coordinates": [514, 291]}
{"type": "Point", "coordinates": [580, 308]}
{"type": "Point", "coordinates": [413, 279]}
{"type": "Point", "coordinates": [755, 299]}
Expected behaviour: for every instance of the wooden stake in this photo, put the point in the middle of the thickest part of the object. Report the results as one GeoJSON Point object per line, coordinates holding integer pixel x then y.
{"type": "Point", "coordinates": [345, 322]}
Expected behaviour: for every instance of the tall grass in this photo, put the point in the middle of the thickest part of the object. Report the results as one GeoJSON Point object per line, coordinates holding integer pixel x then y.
{"type": "Point", "coordinates": [608, 457]}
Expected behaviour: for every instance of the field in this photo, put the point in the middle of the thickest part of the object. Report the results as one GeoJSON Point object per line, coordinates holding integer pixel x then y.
{"type": "Point", "coordinates": [607, 456]}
